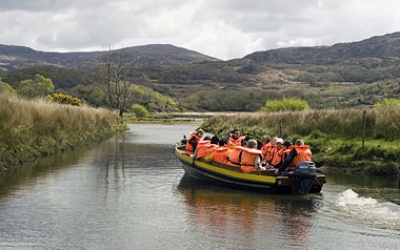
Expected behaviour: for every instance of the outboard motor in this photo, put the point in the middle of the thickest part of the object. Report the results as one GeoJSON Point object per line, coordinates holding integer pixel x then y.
{"type": "Point", "coordinates": [305, 173]}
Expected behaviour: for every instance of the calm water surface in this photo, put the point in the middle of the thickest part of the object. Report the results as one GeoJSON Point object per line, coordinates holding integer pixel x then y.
{"type": "Point", "coordinates": [130, 193]}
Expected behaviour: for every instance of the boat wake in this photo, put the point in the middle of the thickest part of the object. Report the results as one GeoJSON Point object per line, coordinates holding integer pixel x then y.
{"type": "Point", "coordinates": [368, 210]}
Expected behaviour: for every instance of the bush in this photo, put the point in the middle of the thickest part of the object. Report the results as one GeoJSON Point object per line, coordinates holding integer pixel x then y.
{"type": "Point", "coordinates": [285, 104]}
{"type": "Point", "coordinates": [388, 103]}
{"type": "Point", "coordinates": [64, 99]}
{"type": "Point", "coordinates": [140, 111]}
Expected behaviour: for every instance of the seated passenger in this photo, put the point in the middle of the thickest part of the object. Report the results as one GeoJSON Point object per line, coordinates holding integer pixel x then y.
{"type": "Point", "coordinates": [277, 154]}
{"type": "Point", "coordinates": [235, 139]}
{"type": "Point", "coordinates": [221, 153]}
{"type": "Point", "coordinates": [250, 157]}
{"type": "Point", "coordinates": [204, 148]}
{"type": "Point", "coordinates": [270, 150]}
{"type": "Point", "coordinates": [299, 153]}
{"type": "Point", "coordinates": [234, 156]}
{"type": "Point", "coordinates": [191, 143]}
{"type": "Point", "coordinates": [266, 143]}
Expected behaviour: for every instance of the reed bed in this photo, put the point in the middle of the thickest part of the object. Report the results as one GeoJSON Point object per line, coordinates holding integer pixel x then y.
{"type": "Point", "coordinates": [34, 128]}
{"type": "Point", "coordinates": [339, 138]}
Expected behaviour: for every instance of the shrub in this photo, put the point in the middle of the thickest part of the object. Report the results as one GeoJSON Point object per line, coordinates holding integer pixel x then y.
{"type": "Point", "coordinates": [388, 103]}
{"type": "Point", "coordinates": [285, 104]}
{"type": "Point", "coordinates": [64, 99]}
{"type": "Point", "coordinates": [140, 111]}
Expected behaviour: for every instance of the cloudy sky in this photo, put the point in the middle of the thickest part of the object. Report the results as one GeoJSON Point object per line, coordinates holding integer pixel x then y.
{"type": "Point", "coordinates": [225, 29]}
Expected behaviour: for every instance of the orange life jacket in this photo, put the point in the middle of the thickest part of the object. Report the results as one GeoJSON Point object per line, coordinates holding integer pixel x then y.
{"type": "Point", "coordinates": [265, 148]}
{"type": "Point", "coordinates": [188, 147]}
{"type": "Point", "coordinates": [303, 154]}
{"type": "Point", "coordinates": [237, 142]}
{"type": "Point", "coordinates": [249, 156]}
{"type": "Point", "coordinates": [270, 153]}
{"type": "Point", "coordinates": [234, 156]}
{"type": "Point", "coordinates": [204, 148]}
{"type": "Point", "coordinates": [277, 157]}
{"type": "Point", "coordinates": [220, 155]}
{"type": "Point", "coordinates": [285, 153]}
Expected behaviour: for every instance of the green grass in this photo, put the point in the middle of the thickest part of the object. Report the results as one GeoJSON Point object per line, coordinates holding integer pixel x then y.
{"type": "Point", "coordinates": [335, 136]}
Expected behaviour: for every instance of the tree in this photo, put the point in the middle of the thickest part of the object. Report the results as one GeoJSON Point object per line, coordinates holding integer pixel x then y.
{"type": "Point", "coordinates": [388, 103]}
{"type": "Point", "coordinates": [140, 111]}
{"type": "Point", "coordinates": [40, 86]}
{"type": "Point", "coordinates": [285, 104]}
{"type": "Point", "coordinates": [6, 88]}
{"type": "Point", "coordinates": [110, 73]}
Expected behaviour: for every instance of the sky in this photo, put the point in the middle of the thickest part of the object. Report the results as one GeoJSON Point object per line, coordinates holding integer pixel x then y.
{"type": "Point", "coordinates": [224, 29]}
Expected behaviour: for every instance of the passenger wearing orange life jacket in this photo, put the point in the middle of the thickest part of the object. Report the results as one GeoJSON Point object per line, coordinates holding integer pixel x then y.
{"type": "Point", "coordinates": [277, 154]}
{"type": "Point", "coordinates": [299, 153]}
{"type": "Point", "coordinates": [251, 157]}
{"type": "Point", "coordinates": [204, 148]}
{"type": "Point", "coordinates": [270, 151]}
{"type": "Point", "coordinates": [191, 143]}
{"type": "Point", "coordinates": [221, 153]}
{"type": "Point", "coordinates": [234, 156]}
{"type": "Point", "coordinates": [287, 145]}
{"type": "Point", "coordinates": [265, 144]}
{"type": "Point", "coordinates": [235, 138]}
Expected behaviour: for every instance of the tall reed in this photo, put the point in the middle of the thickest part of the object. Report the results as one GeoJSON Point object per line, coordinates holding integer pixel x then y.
{"type": "Point", "coordinates": [33, 128]}
{"type": "Point", "coordinates": [382, 124]}
{"type": "Point", "coordinates": [335, 136]}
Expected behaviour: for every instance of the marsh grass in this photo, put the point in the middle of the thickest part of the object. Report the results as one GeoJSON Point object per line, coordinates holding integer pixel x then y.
{"type": "Point", "coordinates": [34, 128]}
{"type": "Point", "coordinates": [335, 136]}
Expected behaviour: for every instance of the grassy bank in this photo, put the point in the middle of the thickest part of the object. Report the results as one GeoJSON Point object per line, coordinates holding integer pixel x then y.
{"type": "Point", "coordinates": [354, 139]}
{"type": "Point", "coordinates": [31, 129]}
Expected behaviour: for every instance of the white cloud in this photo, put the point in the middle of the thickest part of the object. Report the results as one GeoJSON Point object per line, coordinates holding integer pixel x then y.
{"type": "Point", "coordinates": [225, 29]}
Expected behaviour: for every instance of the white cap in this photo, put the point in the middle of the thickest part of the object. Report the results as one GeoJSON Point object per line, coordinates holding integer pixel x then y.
{"type": "Point", "coordinates": [279, 140]}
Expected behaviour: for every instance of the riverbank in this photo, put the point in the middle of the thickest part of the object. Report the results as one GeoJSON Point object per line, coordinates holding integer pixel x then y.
{"type": "Point", "coordinates": [355, 140]}
{"type": "Point", "coordinates": [34, 128]}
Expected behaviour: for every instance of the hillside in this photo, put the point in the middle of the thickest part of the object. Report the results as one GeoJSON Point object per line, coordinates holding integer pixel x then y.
{"type": "Point", "coordinates": [387, 46]}
{"type": "Point", "coordinates": [339, 76]}
{"type": "Point", "coordinates": [18, 57]}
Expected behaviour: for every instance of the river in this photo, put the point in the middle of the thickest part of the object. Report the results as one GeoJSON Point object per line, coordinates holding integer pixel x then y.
{"type": "Point", "coordinates": [130, 193]}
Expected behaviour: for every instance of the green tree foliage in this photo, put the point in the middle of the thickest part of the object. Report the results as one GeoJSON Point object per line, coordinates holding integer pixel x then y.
{"type": "Point", "coordinates": [64, 99]}
{"type": "Point", "coordinates": [153, 100]}
{"type": "Point", "coordinates": [388, 103]}
{"type": "Point", "coordinates": [228, 100]}
{"type": "Point", "coordinates": [37, 87]}
{"type": "Point", "coordinates": [285, 104]}
{"type": "Point", "coordinates": [6, 88]}
{"type": "Point", "coordinates": [140, 111]}
{"type": "Point", "coordinates": [62, 78]}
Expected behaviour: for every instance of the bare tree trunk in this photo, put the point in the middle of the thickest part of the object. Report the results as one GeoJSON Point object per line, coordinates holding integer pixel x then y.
{"type": "Point", "coordinates": [110, 73]}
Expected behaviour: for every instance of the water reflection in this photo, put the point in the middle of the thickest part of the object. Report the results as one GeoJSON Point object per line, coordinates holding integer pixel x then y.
{"type": "Point", "coordinates": [241, 216]}
{"type": "Point", "coordinates": [130, 193]}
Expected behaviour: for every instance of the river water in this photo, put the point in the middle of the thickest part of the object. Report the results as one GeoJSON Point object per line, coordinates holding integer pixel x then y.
{"type": "Point", "coordinates": [131, 193]}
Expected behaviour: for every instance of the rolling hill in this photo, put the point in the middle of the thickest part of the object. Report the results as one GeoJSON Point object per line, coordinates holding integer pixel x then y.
{"type": "Point", "coordinates": [341, 75]}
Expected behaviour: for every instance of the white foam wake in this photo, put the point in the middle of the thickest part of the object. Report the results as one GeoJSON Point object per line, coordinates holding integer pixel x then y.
{"type": "Point", "coordinates": [369, 210]}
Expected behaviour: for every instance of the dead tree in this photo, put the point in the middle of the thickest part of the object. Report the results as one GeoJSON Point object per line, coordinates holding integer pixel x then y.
{"type": "Point", "coordinates": [110, 74]}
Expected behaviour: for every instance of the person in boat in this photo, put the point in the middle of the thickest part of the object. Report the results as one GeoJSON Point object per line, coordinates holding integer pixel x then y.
{"type": "Point", "coordinates": [250, 159]}
{"type": "Point", "coordinates": [283, 153]}
{"type": "Point", "coordinates": [235, 139]}
{"type": "Point", "coordinates": [277, 154]}
{"type": "Point", "coordinates": [215, 140]}
{"type": "Point", "coordinates": [193, 140]}
{"type": "Point", "coordinates": [299, 153]}
{"type": "Point", "coordinates": [204, 148]}
{"type": "Point", "coordinates": [265, 144]}
{"type": "Point", "coordinates": [270, 151]}
{"type": "Point", "coordinates": [221, 154]}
